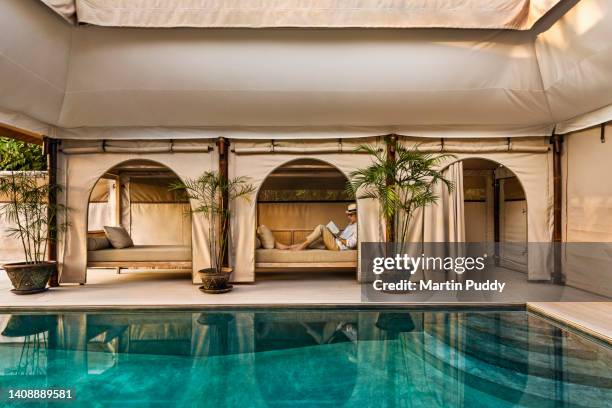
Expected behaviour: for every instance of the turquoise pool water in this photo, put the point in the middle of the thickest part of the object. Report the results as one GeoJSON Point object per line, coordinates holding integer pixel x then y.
{"type": "Point", "coordinates": [302, 358]}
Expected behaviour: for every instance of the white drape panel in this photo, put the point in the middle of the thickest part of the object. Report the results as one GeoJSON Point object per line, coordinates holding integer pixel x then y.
{"type": "Point", "coordinates": [443, 221]}
{"type": "Point", "coordinates": [257, 167]}
{"type": "Point", "coordinates": [125, 203]}
{"type": "Point", "coordinates": [512, 14]}
{"type": "Point", "coordinates": [99, 215]}
{"type": "Point", "coordinates": [79, 172]}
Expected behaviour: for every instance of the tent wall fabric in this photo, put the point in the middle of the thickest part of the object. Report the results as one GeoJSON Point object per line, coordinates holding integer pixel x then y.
{"type": "Point", "coordinates": [534, 171]}
{"type": "Point", "coordinates": [257, 166]}
{"type": "Point", "coordinates": [79, 173]}
{"type": "Point", "coordinates": [513, 14]}
{"type": "Point", "coordinates": [144, 202]}
{"type": "Point", "coordinates": [587, 210]}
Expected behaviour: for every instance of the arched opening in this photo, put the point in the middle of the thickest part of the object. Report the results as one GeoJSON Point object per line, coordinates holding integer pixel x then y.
{"type": "Point", "coordinates": [136, 220]}
{"type": "Point", "coordinates": [495, 210]}
{"type": "Point", "coordinates": [294, 199]}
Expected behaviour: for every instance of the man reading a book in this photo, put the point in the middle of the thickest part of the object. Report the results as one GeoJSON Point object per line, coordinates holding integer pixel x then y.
{"type": "Point", "coordinates": [332, 238]}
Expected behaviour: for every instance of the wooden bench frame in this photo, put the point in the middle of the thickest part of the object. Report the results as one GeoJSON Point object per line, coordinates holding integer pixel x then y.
{"type": "Point", "coordinates": [141, 264]}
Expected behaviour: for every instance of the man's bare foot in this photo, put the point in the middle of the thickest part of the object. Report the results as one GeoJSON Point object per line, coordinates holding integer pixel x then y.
{"type": "Point", "coordinates": [279, 245]}
{"type": "Point", "coordinates": [299, 247]}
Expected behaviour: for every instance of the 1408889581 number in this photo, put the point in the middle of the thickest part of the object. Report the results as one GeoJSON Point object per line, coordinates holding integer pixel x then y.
{"type": "Point", "coordinates": [40, 394]}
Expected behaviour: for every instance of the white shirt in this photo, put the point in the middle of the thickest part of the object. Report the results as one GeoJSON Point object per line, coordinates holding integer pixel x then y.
{"type": "Point", "coordinates": [350, 235]}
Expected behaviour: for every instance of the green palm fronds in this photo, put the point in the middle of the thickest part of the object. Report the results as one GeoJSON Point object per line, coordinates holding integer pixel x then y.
{"type": "Point", "coordinates": [401, 185]}
{"type": "Point", "coordinates": [207, 193]}
{"type": "Point", "coordinates": [27, 209]}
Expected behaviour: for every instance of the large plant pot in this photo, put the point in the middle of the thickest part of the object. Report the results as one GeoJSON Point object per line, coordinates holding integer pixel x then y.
{"type": "Point", "coordinates": [214, 280]}
{"type": "Point", "coordinates": [29, 278]}
{"type": "Point", "coordinates": [27, 325]}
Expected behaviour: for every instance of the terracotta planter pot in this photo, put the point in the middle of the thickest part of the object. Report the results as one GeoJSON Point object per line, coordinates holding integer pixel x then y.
{"type": "Point", "coordinates": [215, 281]}
{"type": "Point", "coordinates": [29, 278]}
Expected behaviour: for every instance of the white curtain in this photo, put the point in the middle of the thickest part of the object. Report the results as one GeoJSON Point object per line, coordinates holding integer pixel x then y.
{"type": "Point", "coordinates": [443, 221]}
{"type": "Point", "coordinates": [126, 208]}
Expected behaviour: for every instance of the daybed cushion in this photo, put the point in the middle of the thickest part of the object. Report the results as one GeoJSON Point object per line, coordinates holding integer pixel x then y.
{"type": "Point", "coordinates": [118, 237]}
{"type": "Point", "coordinates": [142, 253]}
{"type": "Point", "coordinates": [309, 256]}
{"type": "Point", "coordinates": [266, 237]}
{"type": "Point", "coordinates": [97, 243]}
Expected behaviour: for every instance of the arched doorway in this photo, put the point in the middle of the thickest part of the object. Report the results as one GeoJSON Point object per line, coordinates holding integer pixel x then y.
{"type": "Point", "coordinates": [137, 197]}
{"type": "Point", "coordinates": [292, 200]}
{"type": "Point", "coordinates": [495, 210]}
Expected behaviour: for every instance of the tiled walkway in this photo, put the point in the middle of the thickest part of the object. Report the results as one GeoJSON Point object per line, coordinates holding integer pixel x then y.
{"type": "Point", "coordinates": [166, 289]}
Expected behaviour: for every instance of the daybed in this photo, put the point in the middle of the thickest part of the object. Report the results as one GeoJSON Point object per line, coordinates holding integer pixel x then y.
{"type": "Point", "coordinates": [141, 256]}
{"type": "Point", "coordinates": [310, 258]}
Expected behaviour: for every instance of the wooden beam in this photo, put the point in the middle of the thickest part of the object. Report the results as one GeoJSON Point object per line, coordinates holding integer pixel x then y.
{"type": "Point", "coordinates": [391, 143]}
{"type": "Point", "coordinates": [557, 142]}
{"type": "Point", "coordinates": [23, 135]}
{"type": "Point", "coordinates": [224, 145]}
{"type": "Point", "coordinates": [51, 151]}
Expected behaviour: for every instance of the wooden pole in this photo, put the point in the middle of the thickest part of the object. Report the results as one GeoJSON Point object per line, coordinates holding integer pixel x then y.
{"type": "Point", "coordinates": [51, 151]}
{"type": "Point", "coordinates": [223, 146]}
{"type": "Point", "coordinates": [391, 142]}
{"type": "Point", "coordinates": [557, 142]}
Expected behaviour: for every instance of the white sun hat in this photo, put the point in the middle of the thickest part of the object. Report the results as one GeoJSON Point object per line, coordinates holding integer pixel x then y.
{"type": "Point", "coordinates": [352, 209]}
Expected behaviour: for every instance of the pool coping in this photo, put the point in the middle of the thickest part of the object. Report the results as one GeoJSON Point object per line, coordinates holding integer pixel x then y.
{"type": "Point", "coordinates": [259, 306]}
{"type": "Point", "coordinates": [569, 324]}
{"type": "Point", "coordinates": [560, 321]}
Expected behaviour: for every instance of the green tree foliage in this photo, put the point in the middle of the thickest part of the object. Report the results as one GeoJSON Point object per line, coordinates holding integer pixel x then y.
{"type": "Point", "coordinates": [20, 156]}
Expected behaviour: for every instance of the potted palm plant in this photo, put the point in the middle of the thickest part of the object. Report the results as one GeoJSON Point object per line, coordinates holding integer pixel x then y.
{"type": "Point", "coordinates": [35, 223]}
{"type": "Point", "coordinates": [401, 182]}
{"type": "Point", "coordinates": [213, 195]}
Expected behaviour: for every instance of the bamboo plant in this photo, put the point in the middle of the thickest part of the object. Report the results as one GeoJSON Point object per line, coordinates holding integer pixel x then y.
{"type": "Point", "coordinates": [401, 183]}
{"type": "Point", "coordinates": [34, 219]}
{"type": "Point", "coordinates": [210, 191]}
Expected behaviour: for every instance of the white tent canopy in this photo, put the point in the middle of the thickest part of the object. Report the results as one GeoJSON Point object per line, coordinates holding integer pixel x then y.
{"type": "Point", "coordinates": [88, 80]}
{"type": "Point", "coordinates": [512, 14]}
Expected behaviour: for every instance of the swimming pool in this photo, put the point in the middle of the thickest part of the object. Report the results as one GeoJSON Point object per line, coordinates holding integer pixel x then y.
{"type": "Point", "coordinates": [303, 358]}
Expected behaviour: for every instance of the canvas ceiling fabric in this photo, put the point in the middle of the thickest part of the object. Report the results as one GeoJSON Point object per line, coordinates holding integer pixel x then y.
{"type": "Point", "coordinates": [575, 57]}
{"type": "Point", "coordinates": [430, 81]}
{"type": "Point", "coordinates": [503, 14]}
{"type": "Point", "coordinates": [256, 167]}
{"type": "Point", "coordinates": [78, 173]}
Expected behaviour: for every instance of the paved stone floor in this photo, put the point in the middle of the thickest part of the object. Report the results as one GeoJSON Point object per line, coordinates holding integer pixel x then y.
{"type": "Point", "coordinates": [105, 288]}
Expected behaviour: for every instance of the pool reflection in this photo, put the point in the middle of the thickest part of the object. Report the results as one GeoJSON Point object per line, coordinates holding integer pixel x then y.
{"type": "Point", "coordinates": [306, 357]}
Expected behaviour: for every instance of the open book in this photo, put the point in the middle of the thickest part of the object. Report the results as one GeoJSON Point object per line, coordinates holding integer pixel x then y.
{"type": "Point", "coordinates": [333, 228]}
